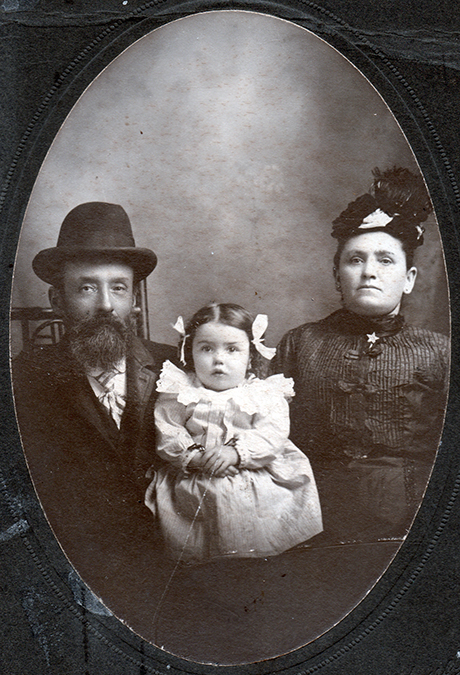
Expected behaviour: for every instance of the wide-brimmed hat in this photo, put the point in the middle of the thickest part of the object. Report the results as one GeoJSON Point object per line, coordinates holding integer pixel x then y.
{"type": "Point", "coordinates": [94, 230]}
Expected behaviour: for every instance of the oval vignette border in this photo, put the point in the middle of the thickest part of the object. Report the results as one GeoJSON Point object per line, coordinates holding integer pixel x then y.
{"type": "Point", "coordinates": [409, 560]}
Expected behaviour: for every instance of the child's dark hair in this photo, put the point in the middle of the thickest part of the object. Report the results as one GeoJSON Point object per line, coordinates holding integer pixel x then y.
{"type": "Point", "coordinates": [230, 315]}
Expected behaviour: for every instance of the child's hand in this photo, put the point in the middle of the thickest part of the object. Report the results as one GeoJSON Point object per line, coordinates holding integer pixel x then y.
{"type": "Point", "coordinates": [219, 460]}
{"type": "Point", "coordinates": [196, 462]}
{"type": "Point", "coordinates": [231, 471]}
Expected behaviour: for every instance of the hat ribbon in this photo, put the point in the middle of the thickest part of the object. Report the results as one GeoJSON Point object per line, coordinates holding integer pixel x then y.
{"type": "Point", "coordinates": [377, 218]}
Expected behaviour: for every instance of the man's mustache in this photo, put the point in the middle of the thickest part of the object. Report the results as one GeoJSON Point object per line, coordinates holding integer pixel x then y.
{"type": "Point", "coordinates": [100, 341]}
{"type": "Point", "coordinates": [88, 327]}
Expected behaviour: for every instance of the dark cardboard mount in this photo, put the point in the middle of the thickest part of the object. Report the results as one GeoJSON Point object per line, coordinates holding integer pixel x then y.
{"type": "Point", "coordinates": [409, 623]}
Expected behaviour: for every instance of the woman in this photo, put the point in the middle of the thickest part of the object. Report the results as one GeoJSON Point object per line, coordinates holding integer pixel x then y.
{"type": "Point", "coordinates": [370, 390]}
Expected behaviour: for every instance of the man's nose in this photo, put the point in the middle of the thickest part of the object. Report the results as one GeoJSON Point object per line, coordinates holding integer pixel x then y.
{"type": "Point", "coordinates": [104, 298]}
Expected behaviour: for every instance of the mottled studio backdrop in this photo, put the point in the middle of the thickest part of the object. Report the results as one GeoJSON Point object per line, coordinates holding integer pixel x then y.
{"type": "Point", "coordinates": [232, 140]}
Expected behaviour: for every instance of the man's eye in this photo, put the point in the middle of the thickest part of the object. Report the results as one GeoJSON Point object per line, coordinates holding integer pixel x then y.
{"type": "Point", "coordinates": [386, 261]}
{"type": "Point", "coordinates": [205, 348]}
{"type": "Point", "coordinates": [119, 289]}
{"type": "Point", "coordinates": [87, 288]}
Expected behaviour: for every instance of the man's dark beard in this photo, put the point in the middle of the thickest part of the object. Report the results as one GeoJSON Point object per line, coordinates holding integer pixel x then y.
{"type": "Point", "coordinates": [100, 342]}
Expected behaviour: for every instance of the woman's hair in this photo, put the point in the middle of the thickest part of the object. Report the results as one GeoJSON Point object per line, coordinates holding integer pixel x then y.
{"type": "Point", "coordinates": [228, 314]}
{"type": "Point", "coordinates": [398, 195]}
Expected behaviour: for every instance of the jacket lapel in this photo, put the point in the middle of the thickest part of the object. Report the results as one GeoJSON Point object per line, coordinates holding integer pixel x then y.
{"type": "Point", "coordinates": [94, 413]}
{"type": "Point", "coordinates": [74, 386]}
{"type": "Point", "coordinates": [142, 373]}
{"type": "Point", "coordinates": [142, 376]}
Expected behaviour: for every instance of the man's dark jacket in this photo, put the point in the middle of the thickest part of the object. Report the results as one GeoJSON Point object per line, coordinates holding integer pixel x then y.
{"type": "Point", "coordinates": [90, 476]}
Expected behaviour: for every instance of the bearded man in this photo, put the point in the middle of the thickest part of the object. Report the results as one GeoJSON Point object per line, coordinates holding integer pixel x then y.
{"type": "Point", "coordinates": [85, 405]}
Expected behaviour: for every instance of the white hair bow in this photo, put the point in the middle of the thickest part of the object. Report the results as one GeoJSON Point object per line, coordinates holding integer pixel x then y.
{"type": "Point", "coordinates": [180, 327]}
{"type": "Point", "coordinates": [259, 326]}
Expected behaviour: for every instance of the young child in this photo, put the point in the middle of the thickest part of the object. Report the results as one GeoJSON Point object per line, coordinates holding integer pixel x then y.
{"type": "Point", "coordinates": [233, 485]}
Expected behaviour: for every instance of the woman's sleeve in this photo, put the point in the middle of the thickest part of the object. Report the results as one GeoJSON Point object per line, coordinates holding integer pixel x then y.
{"type": "Point", "coordinates": [265, 440]}
{"type": "Point", "coordinates": [285, 360]}
{"type": "Point", "coordinates": [173, 439]}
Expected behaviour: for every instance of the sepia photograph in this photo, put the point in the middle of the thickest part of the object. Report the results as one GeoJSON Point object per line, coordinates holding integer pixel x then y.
{"type": "Point", "coordinates": [230, 337]}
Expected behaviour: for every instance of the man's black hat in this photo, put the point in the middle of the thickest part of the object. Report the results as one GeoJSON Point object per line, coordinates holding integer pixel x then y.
{"type": "Point", "coordinates": [94, 231]}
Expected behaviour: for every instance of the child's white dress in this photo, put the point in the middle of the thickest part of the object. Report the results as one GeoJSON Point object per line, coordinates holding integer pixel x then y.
{"type": "Point", "coordinates": [271, 504]}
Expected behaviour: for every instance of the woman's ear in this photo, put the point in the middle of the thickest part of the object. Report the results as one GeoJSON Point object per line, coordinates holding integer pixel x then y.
{"type": "Point", "coordinates": [411, 275]}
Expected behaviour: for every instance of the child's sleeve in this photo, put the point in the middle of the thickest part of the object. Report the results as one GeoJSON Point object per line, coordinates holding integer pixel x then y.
{"type": "Point", "coordinates": [174, 443]}
{"type": "Point", "coordinates": [265, 440]}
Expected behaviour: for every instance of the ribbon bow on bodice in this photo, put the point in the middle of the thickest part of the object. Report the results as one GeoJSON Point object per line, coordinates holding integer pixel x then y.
{"type": "Point", "coordinates": [357, 387]}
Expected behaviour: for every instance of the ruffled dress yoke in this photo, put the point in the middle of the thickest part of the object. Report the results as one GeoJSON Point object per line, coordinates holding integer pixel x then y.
{"type": "Point", "coordinates": [369, 409]}
{"type": "Point", "coordinates": [270, 505]}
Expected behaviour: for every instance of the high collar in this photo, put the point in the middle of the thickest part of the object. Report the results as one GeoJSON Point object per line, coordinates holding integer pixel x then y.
{"type": "Point", "coordinates": [355, 324]}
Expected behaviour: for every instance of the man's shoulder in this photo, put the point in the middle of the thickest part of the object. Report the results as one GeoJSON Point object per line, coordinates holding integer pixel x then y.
{"type": "Point", "coordinates": [56, 357]}
{"type": "Point", "coordinates": [43, 357]}
{"type": "Point", "coordinates": [158, 347]}
{"type": "Point", "coordinates": [154, 352]}
{"type": "Point", "coordinates": [41, 375]}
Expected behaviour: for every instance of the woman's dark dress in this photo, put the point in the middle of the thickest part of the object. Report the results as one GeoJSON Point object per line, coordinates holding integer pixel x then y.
{"type": "Point", "coordinates": [368, 413]}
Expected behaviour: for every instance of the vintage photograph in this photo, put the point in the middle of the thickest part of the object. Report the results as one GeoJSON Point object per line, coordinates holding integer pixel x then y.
{"type": "Point", "coordinates": [230, 337]}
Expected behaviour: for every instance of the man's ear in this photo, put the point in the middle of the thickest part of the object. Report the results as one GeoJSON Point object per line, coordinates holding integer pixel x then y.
{"type": "Point", "coordinates": [56, 301]}
{"type": "Point", "coordinates": [137, 298]}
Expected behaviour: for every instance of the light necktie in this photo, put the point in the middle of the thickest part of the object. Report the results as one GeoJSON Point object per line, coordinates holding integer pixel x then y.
{"type": "Point", "coordinates": [112, 398]}
{"type": "Point", "coordinates": [110, 389]}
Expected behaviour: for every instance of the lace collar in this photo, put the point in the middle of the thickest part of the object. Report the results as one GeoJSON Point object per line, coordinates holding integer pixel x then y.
{"type": "Point", "coordinates": [252, 396]}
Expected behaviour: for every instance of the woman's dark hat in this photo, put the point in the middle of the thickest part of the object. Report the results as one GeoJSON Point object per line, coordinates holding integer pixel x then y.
{"type": "Point", "coordinates": [94, 231]}
{"type": "Point", "coordinates": [397, 204]}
